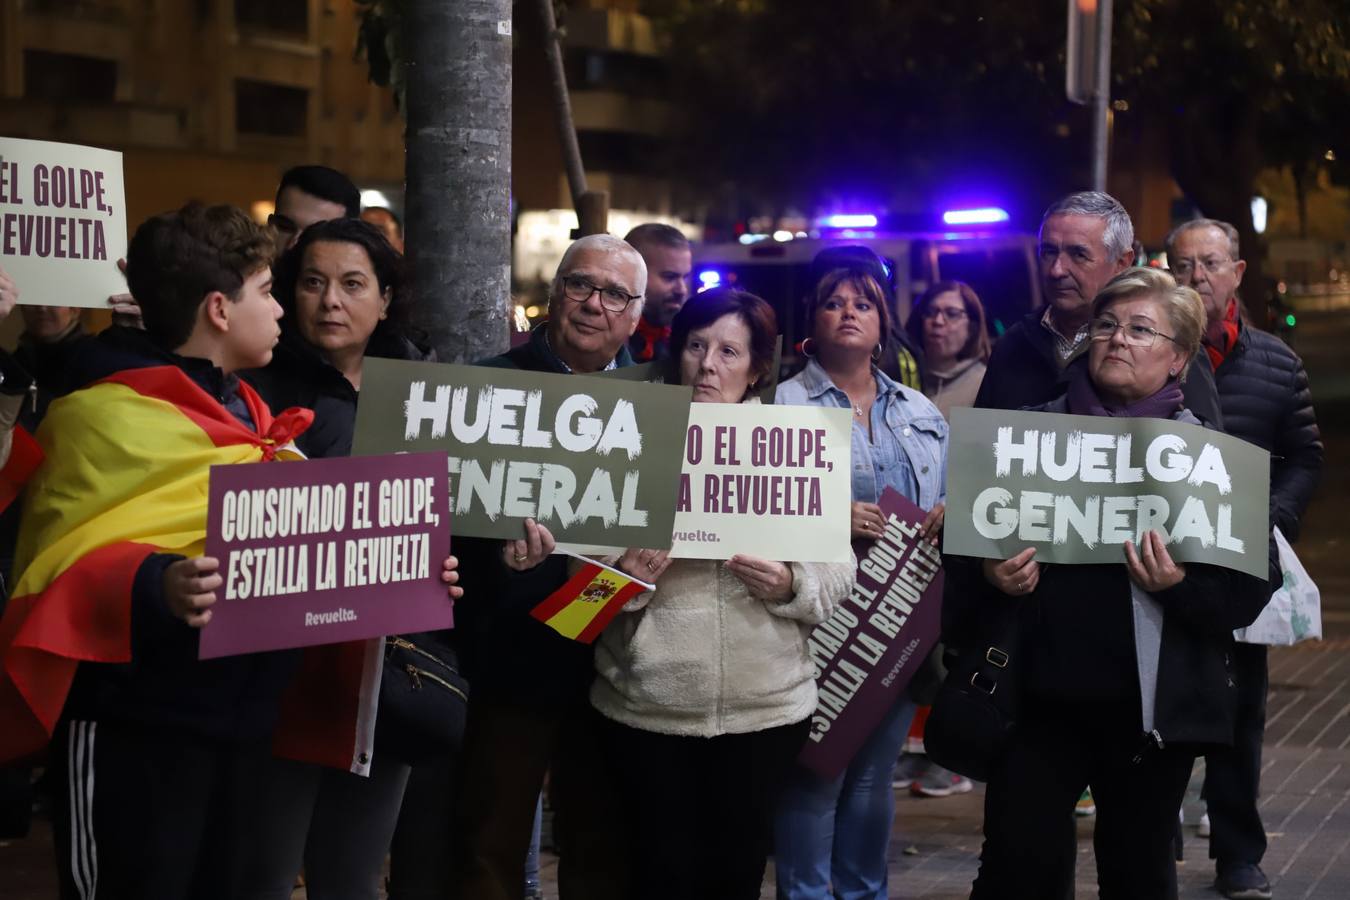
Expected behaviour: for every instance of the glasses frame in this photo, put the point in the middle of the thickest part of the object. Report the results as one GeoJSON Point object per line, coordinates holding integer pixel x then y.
{"type": "Point", "coordinates": [957, 315]}
{"type": "Point", "coordinates": [1130, 328]}
{"type": "Point", "coordinates": [1184, 268]}
{"type": "Point", "coordinates": [593, 289]}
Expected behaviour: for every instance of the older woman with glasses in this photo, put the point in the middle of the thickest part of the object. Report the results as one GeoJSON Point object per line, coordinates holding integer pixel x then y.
{"type": "Point", "coordinates": [948, 322]}
{"type": "Point", "coordinates": [707, 682]}
{"type": "Point", "coordinates": [1125, 672]}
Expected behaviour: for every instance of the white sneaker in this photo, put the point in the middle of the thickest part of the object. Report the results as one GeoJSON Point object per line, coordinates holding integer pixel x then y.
{"type": "Point", "coordinates": [1203, 830]}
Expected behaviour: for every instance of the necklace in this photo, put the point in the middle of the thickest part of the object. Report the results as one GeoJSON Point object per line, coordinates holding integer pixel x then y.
{"type": "Point", "coordinates": [857, 410]}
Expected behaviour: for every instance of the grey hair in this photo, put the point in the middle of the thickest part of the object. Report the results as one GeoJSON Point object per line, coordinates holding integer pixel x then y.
{"type": "Point", "coordinates": [1185, 310]}
{"type": "Point", "coordinates": [609, 245]}
{"type": "Point", "coordinates": [1228, 231]}
{"type": "Point", "coordinates": [1119, 234]}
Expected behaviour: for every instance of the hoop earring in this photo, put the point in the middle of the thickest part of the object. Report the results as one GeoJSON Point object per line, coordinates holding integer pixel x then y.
{"type": "Point", "coordinates": [808, 348]}
{"type": "Point", "coordinates": [876, 353]}
{"type": "Point", "coordinates": [1172, 373]}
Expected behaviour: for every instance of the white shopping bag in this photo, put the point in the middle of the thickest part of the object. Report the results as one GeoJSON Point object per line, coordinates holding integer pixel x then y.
{"type": "Point", "coordinates": [1294, 612]}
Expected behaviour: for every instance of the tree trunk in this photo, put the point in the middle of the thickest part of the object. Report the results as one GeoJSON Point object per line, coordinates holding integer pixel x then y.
{"type": "Point", "coordinates": [458, 72]}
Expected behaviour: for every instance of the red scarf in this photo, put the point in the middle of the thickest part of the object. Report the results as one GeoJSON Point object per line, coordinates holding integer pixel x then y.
{"type": "Point", "coordinates": [1222, 335]}
{"type": "Point", "coordinates": [653, 335]}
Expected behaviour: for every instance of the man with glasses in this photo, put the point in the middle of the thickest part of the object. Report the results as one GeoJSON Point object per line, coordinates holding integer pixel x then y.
{"type": "Point", "coordinates": [309, 194]}
{"type": "Point", "coordinates": [1263, 392]}
{"type": "Point", "coordinates": [531, 713]}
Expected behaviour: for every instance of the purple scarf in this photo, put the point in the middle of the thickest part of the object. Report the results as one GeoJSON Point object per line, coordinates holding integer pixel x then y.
{"type": "Point", "coordinates": [1084, 401]}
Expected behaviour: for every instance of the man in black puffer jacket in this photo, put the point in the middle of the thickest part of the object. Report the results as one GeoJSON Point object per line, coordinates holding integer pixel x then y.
{"type": "Point", "coordinates": [1263, 392]}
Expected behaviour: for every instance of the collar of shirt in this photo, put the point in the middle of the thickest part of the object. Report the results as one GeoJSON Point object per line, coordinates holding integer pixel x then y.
{"type": "Point", "coordinates": [612, 364]}
{"type": "Point", "coordinates": [818, 383]}
{"type": "Point", "coordinates": [1065, 347]}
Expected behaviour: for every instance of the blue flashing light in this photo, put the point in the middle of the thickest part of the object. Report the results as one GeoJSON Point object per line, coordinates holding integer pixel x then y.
{"type": "Point", "coordinates": [849, 220]}
{"type": "Point", "coordinates": [708, 279]}
{"type": "Point", "coordinates": [987, 215]}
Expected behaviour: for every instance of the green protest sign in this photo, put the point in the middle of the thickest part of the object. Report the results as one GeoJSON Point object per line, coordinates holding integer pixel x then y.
{"type": "Point", "coordinates": [1077, 487]}
{"type": "Point", "coordinates": [597, 461]}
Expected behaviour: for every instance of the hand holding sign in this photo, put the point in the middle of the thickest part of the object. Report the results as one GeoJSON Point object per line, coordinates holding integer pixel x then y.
{"type": "Point", "coordinates": [523, 555]}
{"type": "Point", "coordinates": [9, 294]}
{"type": "Point", "coordinates": [190, 588]}
{"type": "Point", "coordinates": [644, 565]}
{"type": "Point", "coordinates": [931, 529]}
{"type": "Point", "coordinates": [1017, 576]}
{"type": "Point", "coordinates": [767, 580]}
{"type": "Point", "coordinates": [125, 310]}
{"type": "Point", "coordinates": [867, 520]}
{"type": "Point", "coordinates": [1152, 567]}
{"type": "Point", "coordinates": [450, 576]}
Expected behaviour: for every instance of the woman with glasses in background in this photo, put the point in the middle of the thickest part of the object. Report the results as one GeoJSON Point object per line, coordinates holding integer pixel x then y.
{"type": "Point", "coordinates": [948, 322]}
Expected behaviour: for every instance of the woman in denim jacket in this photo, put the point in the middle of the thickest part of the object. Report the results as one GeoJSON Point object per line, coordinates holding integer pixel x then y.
{"type": "Point", "coordinates": [831, 836]}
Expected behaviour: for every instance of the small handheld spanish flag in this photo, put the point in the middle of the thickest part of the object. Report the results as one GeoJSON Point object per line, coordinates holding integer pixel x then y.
{"type": "Point", "coordinates": [581, 608]}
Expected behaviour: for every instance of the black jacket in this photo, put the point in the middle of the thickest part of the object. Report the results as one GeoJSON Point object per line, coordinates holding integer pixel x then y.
{"type": "Point", "coordinates": [508, 654]}
{"type": "Point", "coordinates": [299, 376]}
{"type": "Point", "coordinates": [1078, 645]}
{"type": "Point", "coordinates": [233, 698]}
{"type": "Point", "coordinates": [1265, 398]}
{"type": "Point", "coordinates": [1024, 370]}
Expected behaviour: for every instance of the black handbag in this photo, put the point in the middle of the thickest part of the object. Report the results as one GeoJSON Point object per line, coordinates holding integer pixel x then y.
{"type": "Point", "coordinates": [976, 708]}
{"type": "Point", "coordinates": [424, 699]}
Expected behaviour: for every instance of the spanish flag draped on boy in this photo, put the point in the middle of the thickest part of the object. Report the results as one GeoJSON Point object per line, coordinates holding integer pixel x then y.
{"type": "Point", "coordinates": [125, 476]}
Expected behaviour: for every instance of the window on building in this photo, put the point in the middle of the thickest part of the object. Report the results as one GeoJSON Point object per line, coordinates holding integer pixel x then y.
{"type": "Point", "coordinates": [68, 78]}
{"type": "Point", "coordinates": [617, 151]}
{"type": "Point", "coordinates": [270, 109]}
{"type": "Point", "coordinates": [289, 17]}
{"type": "Point", "coordinates": [626, 73]}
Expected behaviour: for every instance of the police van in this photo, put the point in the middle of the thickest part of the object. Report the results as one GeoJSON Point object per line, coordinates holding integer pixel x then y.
{"type": "Point", "coordinates": [1000, 266]}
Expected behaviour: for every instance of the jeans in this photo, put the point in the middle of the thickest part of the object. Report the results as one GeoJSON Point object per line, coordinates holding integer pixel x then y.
{"type": "Point", "coordinates": [837, 832]}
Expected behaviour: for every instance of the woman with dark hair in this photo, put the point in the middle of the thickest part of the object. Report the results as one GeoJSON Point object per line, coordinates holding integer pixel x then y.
{"type": "Point", "coordinates": [339, 288]}
{"type": "Point", "coordinates": [706, 682]}
{"type": "Point", "coordinates": [831, 836]}
{"type": "Point", "coordinates": [948, 321]}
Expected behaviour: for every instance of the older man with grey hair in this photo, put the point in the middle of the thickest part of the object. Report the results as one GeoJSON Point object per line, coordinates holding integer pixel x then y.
{"type": "Point", "coordinates": [1085, 239]}
{"type": "Point", "coordinates": [530, 712]}
{"type": "Point", "coordinates": [1266, 401]}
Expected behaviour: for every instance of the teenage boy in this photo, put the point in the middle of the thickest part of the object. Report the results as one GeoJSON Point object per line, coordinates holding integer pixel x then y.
{"type": "Point", "coordinates": [150, 747]}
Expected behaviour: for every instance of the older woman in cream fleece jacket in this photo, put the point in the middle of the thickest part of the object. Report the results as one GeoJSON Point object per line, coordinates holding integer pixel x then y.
{"type": "Point", "coordinates": [706, 684]}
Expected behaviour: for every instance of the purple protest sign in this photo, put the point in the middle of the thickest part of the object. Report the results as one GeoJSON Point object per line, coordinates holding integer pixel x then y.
{"type": "Point", "coordinates": [868, 651]}
{"type": "Point", "coordinates": [327, 550]}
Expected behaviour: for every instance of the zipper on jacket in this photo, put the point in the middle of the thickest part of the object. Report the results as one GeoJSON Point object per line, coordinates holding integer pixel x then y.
{"type": "Point", "coordinates": [409, 645]}
{"type": "Point", "coordinates": [417, 675]}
